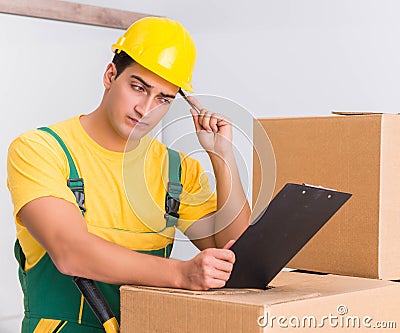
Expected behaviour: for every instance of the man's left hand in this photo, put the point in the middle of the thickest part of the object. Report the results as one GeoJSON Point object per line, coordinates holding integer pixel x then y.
{"type": "Point", "coordinates": [214, 131]}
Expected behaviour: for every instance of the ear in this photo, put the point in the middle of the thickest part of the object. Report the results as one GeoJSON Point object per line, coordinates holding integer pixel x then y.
{"type": "Point", "coordinates": [109, 75]}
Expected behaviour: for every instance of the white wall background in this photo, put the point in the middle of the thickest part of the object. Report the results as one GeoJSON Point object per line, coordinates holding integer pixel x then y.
{"type": "Point", "coordinates": [275, 58]}
{"type": "Point", "coordinates": [50, 71]}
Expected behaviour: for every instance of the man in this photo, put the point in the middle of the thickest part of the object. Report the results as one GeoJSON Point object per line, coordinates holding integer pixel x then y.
{"type": "Point", "coordinates": [153, 60]}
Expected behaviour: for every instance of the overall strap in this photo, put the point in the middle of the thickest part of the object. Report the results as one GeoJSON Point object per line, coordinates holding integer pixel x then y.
{"type": "Point", "coordinates": [74, 182]}
{"type": "Point", "coordinates": [174, 189]}
{"type": "Point", "coordinates": [87, 287]}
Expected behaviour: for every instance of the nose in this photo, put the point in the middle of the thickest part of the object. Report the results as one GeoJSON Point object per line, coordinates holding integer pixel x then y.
{"type": "Point", "coordinates": [144, 106]}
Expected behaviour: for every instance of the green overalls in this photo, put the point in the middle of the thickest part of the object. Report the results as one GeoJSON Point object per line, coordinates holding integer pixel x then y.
{"type": "Point", "coordinates": [50, 294]}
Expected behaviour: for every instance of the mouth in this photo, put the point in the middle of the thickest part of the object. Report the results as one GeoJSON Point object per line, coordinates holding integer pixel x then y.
{"type": "Point", "coordinates": [136, 122]}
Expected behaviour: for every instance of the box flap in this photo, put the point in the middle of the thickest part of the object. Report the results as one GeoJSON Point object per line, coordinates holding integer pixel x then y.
{"type": "Point", "coordinates": [287, 287]}
{"type": "Point", "coordinates": [355, 113]}
{"type": "Point", "coordinates": [270, 296]}
{"type": "Point", "coordinates": [223, 291]}
{"type": "Point", "coordinates": [326, 284]}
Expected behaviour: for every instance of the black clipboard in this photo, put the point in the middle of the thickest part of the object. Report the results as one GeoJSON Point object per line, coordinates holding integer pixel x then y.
{"type": "Point", "coordinates": [290, 220]}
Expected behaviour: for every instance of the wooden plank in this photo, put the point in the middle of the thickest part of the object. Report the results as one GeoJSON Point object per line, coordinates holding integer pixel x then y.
{"type": "Point", "coordinates": [71, 12]}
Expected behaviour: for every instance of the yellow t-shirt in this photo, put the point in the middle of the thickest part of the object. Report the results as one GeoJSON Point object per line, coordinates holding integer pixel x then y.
{"type": "Point", "coordinates": [124, 192]}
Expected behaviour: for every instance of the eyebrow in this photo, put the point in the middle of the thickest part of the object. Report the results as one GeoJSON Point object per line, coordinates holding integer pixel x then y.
{"type": "Point", "coordinates": [166, 95]}
{"type": "Point", "coordinates": [142, 81]}
{"type": "Point", "coordinates": [146, 84]}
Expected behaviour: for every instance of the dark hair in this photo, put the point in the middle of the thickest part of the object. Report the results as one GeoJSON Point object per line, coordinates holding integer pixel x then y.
{"type": "Point", "coordinates": [121, 61]}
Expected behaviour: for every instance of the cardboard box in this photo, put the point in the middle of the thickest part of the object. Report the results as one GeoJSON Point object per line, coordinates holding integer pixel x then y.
{"type": "Point", "coordinates": [297, 302]}
{"type": "Point", "coordinates": [359, 154]}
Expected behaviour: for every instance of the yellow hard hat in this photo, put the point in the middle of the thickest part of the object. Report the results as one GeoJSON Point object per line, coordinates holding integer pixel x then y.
{"type": "Point", "coordinates": [163, 46]}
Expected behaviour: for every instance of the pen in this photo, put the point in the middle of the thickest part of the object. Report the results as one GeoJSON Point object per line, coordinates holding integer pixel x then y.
{"type": "Point", "coordinates": [194, 107]}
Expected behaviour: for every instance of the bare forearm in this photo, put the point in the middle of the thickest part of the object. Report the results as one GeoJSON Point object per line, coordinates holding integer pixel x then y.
{"type": "Point", "coordinates": [209, 269]}
{"type": "Point", "coordinates": [59, 227]}
{"type": "Point", "coordinates": [94, 258]}
{"type": "Point", "coordinates": [233, 214]}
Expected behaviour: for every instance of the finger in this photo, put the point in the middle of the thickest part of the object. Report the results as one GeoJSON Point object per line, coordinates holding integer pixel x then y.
{"type": "Point", "coordinates": [195, 102]}
{"type": "Point", "coordinates": [195, 117]}
{"type": "Point", "coordinates": [224, 266]}
{"type": "Point", "coordinates": [223, 254]}
{"type": "Point", "coordinates": [205, 120]}
{"type": "Point", "coordinates": [213, 123]}
{"type": "Point", "coordinates": [216, 283]}
{"type": "Point", "coordinates": [220, 275]}
{"type": "Point", "coordinates": [222, 120]}
{"type": "Point", "coordinates": [229, 244]}
{"type": "Point", "coordinates": [203, 114]}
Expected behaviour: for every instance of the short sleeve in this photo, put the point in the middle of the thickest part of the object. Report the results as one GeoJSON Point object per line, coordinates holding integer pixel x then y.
{"type": "Point", "coordinates": [36, 167]}
{"type": "Point", "coordinates": [197, 199]}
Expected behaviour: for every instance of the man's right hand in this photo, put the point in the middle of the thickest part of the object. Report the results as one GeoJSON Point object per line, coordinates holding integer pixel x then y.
{"type": "Point", "coordinates": [211, 268]}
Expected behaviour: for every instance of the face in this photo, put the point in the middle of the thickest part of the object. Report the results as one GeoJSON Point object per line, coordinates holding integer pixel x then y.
{"type": "Point", "coordinates": [136, 100]}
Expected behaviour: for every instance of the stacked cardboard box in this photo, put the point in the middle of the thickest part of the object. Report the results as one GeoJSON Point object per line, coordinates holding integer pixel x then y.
{"type": "Point", "coordinates": [359, 154]}
{"type": "Point", "coordinates": [353, 252]}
